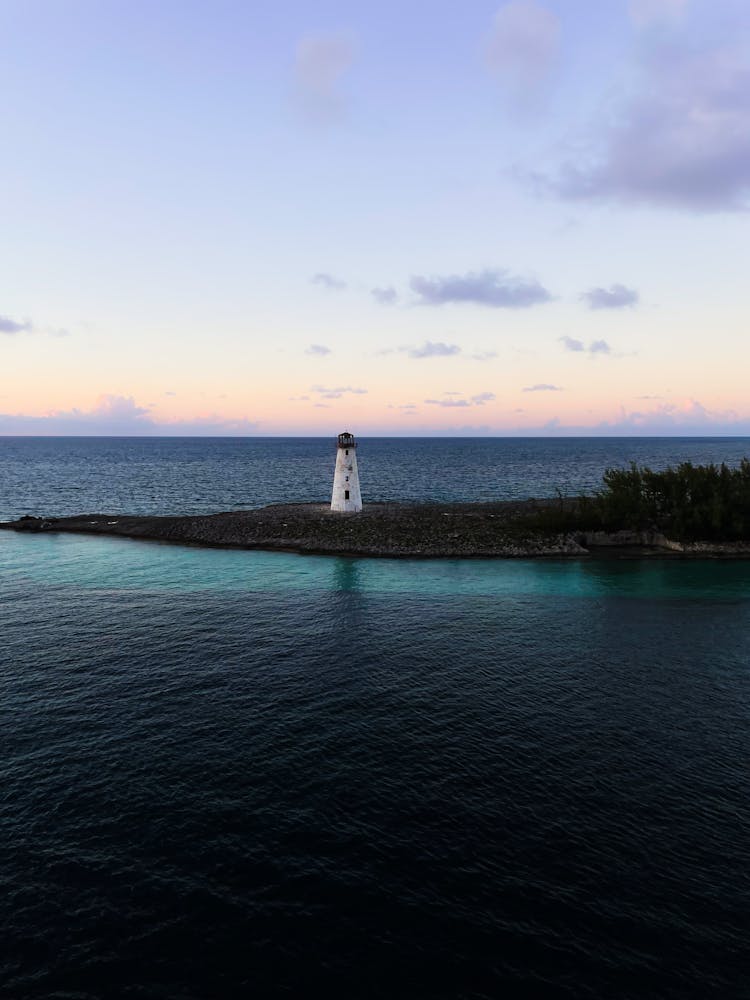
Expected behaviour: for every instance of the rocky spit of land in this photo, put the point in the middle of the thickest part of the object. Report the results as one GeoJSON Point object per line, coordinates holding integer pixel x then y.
{"type": "Point", "coordinates": [446, 530]}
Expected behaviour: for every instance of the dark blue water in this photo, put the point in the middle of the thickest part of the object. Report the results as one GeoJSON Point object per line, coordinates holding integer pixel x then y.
{"type": "Point", "coordinates": [186, 475]}
{"type": "Point", "coordinates": [231, 774]}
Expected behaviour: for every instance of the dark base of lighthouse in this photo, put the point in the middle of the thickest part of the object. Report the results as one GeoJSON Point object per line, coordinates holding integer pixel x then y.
{"type": "Point", "coordinates": [505, 529]}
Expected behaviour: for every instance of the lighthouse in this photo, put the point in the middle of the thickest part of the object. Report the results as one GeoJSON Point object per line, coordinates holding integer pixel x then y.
{"type": "Point", "coordinates": [346, 495]}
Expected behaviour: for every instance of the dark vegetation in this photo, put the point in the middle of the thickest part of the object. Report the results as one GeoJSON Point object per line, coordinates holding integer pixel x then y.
{"type": "Point", "coordinates": [686, 503]}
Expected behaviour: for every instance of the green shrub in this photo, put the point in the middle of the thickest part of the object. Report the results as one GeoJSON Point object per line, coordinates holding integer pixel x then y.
{"type": "Point", "coordinates": [710, 502]}
{"type": "Point", "coordinates": [687, 503]}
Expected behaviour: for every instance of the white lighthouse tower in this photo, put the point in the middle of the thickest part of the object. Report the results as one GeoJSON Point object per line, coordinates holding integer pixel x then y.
{"type": "Point", "coordinates": [346, 495]}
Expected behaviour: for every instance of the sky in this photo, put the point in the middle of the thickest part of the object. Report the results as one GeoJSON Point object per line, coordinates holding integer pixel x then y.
{"type": "Point", "coordinates": [400, 218]}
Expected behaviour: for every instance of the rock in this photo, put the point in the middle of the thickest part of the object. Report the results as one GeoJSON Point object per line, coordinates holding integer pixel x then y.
{"type": "Point", "coordinates": [442, 530]}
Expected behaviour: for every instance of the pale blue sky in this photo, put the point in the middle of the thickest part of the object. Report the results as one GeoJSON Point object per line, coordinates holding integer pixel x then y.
{"type": "Point", "coordinates": [193, 194]}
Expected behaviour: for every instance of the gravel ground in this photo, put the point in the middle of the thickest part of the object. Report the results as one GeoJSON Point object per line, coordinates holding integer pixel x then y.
{"type": "Point", "coordinates": [387, 529]}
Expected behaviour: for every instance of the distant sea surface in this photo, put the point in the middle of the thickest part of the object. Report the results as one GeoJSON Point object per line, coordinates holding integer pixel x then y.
{"type": "Point", "coordinates": [235, 774]}
{"type": "Point", "coordinates": [197, 475]}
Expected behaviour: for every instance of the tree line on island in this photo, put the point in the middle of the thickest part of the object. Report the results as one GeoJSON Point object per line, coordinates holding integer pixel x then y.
{"type": "Point", "coordinates": [687, 503]}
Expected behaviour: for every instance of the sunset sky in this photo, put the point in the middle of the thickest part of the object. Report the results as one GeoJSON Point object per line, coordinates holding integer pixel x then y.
{"type": "Point", "coordinates": [399, 217]}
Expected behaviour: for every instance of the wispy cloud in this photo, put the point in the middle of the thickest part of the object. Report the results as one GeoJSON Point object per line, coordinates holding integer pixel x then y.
{"type": "Point", "coordinates": [644, 12]}
{"type": "Point", "coordinates": [571, 344]}
{"type": "Point", "coordinates": [543, 387]}
{"type": "Point", "coordinates": [434, 349]}
{"type": "Point", "coordinates": [493, 287]}
{"type": "Point", "coordinates": [682, 140]}
{"type": "Point", "coordinates": [114, 415]}
{"type": "Point", "coordinates": [328, 281]}
{"type": "Point", "coordinates": [437, 349]}
{"type": "Point", "coordinates": [385, 296]}
{"type": "Point", "coordinates": [614, 297]}
{"type": "Point", "coordinates": [522, 47]}
{"type": "Point", "coordinates": [321, 61]}
{"type": "Point", "coordinates": [336, 392]}
{"type": "Point", "coordinates": [691, 416]}
{"type": "Point", "coordinates": [450, 401]}
{"type": "Point", "coordinates": [11, 326]}
{"type": "Point", "coordinates": [578, 346]}
{"type": "Point", "coordinates": [318, 350]}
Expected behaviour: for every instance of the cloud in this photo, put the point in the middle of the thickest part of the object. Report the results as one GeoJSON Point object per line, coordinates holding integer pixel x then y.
{"type": "Point", "coordinates": [571, 344]}
{"type": "Point", "coordinates": [11, 326]}
{"type": "Point", "coordinates": [494, 288]}
{"type": "Point", "coordinates": [321, 60]}
{"type": "Point", "coordinates": [684, 418]}
{"type": "Point", "coordinates": [318, 350]}
{"type": "Point", "coordinates": [578, 346]}
{"type": "Point", "coordinates": [542, 387]}
{"type": "Point", "coordinates": [682, 141]}
{"type": "Point", "coordinates": [451, 402]}
{"type": "Point", "coordinates": [120, 415]}
{"type": "Point", "coordinates": [614, 297]}
{"type": "Point", "coordinates": [385, 296]}
{"type": "Point", "coordinates": [522, 46]}
{"type": "Point", "coordinates": [111, 407]}
{"type": "Point", "coordinates": [338, 391]}
{"type": "Point", "coordinates": [328, 281]}
{"type": "Point", "coordinates": [434, 349]}
{"type": "Point", "coordinates": [644, 12]}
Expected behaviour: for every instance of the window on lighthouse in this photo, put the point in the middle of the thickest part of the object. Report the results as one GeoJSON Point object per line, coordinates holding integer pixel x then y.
{"type": "Point", "coordinates": [346, 494]}
{"type": "Point", "coordinates": [346, 452]}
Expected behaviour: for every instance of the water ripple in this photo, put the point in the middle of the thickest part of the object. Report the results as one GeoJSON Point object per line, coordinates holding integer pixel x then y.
{"type": "Point", "coordinates": [310, 790]}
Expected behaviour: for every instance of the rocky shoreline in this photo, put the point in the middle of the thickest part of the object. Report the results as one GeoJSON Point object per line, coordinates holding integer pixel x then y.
{"type": "Point", "coordinates": [436, 530]}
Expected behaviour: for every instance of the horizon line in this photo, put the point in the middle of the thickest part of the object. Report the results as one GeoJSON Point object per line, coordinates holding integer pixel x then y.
{"type": "Point", "coordinates": [407, 437]}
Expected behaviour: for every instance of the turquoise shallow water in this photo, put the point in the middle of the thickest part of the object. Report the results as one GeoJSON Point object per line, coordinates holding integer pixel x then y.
{"type": "Point", "coordinates": [120, 564]}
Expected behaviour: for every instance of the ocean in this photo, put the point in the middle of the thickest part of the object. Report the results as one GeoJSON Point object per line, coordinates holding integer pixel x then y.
{"type": "Point", "coordinates": [233, 774]}
{"type": "Point", "coordinates": [59, 476]}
